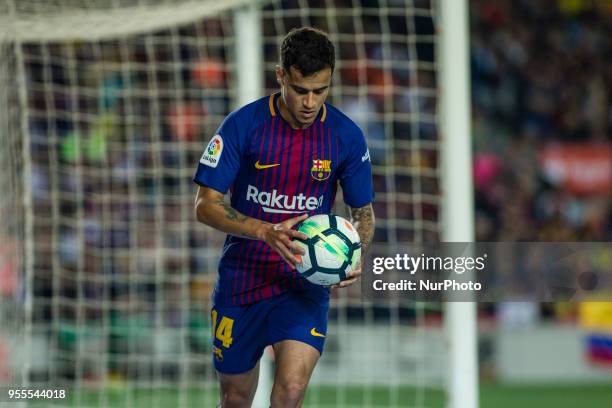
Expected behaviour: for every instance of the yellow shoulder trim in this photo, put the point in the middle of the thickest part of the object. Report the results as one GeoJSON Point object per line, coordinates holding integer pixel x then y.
{"type": "Point", "coordinates": [271, 104]}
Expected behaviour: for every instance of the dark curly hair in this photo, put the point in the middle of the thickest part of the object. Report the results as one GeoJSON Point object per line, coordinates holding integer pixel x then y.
{"type": "Point", "coordinates": [308, 50]}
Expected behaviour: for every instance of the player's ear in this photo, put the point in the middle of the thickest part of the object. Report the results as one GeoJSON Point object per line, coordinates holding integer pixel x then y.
{"type": "Point", "coordinates": [279, 74]}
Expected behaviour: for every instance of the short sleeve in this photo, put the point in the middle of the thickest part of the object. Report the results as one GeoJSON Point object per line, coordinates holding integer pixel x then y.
{"type": "Point", "coordinates": [356, 174]}
{"type": "Point", "coordinates": [220, 161]}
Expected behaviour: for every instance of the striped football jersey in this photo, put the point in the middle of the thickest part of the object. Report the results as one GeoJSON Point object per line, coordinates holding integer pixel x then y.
{"type": "Point", "coordinates": [274, 172]}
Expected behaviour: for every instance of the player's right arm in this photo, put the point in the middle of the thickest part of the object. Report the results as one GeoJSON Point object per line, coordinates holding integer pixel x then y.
{"type": "Point", "coordinates": [211, 209]}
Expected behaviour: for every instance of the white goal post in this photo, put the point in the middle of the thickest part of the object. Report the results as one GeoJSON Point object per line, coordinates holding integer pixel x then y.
{"type": "Point", "coordinates": [457, 186]}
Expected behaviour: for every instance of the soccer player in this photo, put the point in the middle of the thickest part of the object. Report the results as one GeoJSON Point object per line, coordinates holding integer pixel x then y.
{"type": "Point", "coordinates": [281, 158]}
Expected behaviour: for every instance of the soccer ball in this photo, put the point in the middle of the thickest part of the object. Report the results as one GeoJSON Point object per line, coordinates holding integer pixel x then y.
{"type": "Point", "coordinates": [332, 250]}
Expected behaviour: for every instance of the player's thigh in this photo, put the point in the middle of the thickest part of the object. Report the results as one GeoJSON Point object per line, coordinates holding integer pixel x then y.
{"type": "Point", "coordinates": [242, 386]}
{"type": "Point", "coordinates": [297, 329]}
{"type": "Point", "coordinates": [295, 362]}
{"type": "Point", "coordinates": [300, 316]}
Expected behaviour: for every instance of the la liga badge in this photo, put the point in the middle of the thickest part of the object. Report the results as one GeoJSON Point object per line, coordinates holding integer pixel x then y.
{"type": "Point", "coordinates": [213, 151]}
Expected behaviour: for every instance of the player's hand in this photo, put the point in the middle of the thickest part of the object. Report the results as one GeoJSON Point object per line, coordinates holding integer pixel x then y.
{"type": "Point", "coordinates": [353, 277]}
{"type": "Point", "coordinates": [280, 236]}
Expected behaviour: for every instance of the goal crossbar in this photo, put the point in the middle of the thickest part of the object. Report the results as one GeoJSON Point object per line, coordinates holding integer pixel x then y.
{"type": "Point", "coordinates": [100, 24]}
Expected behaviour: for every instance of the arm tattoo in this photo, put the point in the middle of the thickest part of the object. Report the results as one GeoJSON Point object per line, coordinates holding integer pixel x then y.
{"type": "Point", "coordinates": [232, 214]}
{"type": "Point", "coordinates": [363, 219]}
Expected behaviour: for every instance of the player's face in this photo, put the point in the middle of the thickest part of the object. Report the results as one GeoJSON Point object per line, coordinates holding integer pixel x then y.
{"type": "Point", "coordinates": [302, 97]}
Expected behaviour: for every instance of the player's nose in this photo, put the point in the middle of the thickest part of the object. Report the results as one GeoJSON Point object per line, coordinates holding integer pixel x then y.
{"type": "Point", "coordinates": [309, 101]}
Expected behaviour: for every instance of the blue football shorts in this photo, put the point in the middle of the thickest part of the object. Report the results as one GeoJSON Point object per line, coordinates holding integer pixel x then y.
{"type": "Point", "coordinates": [241, 333]}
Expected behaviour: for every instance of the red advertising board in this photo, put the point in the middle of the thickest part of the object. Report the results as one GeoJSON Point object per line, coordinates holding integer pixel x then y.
{"type": "Point", "coordinates": [584, 169]}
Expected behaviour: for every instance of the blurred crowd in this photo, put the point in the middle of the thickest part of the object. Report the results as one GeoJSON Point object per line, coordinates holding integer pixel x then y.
{"type": "Point", "coordinates": [542, 111]}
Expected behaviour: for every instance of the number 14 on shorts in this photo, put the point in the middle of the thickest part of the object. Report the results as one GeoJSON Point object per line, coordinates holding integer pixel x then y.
{"type": "Point", "coordinates": [223, 329]}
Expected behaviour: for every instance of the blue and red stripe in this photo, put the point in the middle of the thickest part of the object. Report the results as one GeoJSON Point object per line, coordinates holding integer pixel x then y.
{"type": "Point", "coordinates": [251, 270]}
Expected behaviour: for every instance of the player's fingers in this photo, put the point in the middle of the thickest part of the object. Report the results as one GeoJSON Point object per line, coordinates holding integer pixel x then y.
{"type": "Point", "coordinates": [287, 231]}
{"type": "Point", "coordinates": [292, 221]}
{"type": "Point", "coordinates": [338, 285]}
{"type": "Point", "coordinates": [296, 248]}
{"type": "Point", "coordinates": [286, 254]}
{"type": "Point", "coordinates": [287, 240]}
{"type": "Point", "coordinates": [289, 261]}
{"type": "Point", "coordinates": [348, 282]}
{"type": "Point", "coordinates": [355, 273]}
{"type": "Point", "coordinates": [297, 234]}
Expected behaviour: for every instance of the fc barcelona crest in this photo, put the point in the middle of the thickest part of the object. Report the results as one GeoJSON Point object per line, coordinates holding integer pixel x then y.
{"type": "Point", "coordinates": [321, 169]}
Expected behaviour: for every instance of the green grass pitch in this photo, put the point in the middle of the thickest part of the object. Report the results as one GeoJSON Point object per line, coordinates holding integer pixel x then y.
{"type": "Point", "coordinates": [537, 396]}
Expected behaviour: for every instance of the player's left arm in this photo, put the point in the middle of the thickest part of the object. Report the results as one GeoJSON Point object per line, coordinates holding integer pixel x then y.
{"type": "Point", "coordinates": [363, 219]}
{"type": "Point", "coordinates": [358, 190]}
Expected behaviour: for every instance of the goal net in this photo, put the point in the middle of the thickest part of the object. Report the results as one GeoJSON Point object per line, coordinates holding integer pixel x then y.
{"type": "Point", "coordinates": [105, 275]}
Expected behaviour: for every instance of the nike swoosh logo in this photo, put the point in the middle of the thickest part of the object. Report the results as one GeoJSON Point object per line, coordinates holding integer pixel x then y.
{"type": "Point", "coordinates": [264, 166]}
{"type": "Point", "coordinates": [314, 332]}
